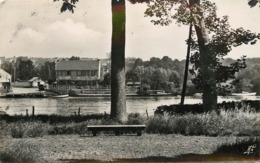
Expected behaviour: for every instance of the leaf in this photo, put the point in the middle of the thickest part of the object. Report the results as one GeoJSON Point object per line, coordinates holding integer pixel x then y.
{"type": "Point", "coordinates": [67, 6]}
{"type": "Point", "coordinates": [252, 3]}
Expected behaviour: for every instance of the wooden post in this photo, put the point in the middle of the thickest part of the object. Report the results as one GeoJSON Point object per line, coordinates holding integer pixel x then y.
{"type": "Point", "coordinates": [33, 111]}
{"type": "Point", "coordinates": [27, 115]}
{"type": "Point", "coordinates": [147, 113]}
{"type": "Point", "coordinates": [105, 114]}
{"type": "Point", "coordinates": [79, 112]}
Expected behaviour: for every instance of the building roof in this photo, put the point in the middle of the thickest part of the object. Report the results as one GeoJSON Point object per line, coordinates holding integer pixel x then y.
{"type": "Point", "coordinates": [4, 76]}
{"type": "Point", "coordinates": [78, 65]}
{"type": "Point", "coordinates": [33, 79]}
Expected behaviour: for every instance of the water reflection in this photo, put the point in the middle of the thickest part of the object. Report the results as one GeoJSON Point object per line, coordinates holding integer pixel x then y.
{"type": "Point", "coordinates": [68, 106]}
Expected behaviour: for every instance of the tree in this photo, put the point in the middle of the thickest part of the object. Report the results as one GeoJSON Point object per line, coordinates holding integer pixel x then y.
{"type": "Point", "coordinates": [132, 75]}
{"type": "Point", "coordinates": [74, 58]}
{"type": "Point", "coordinates": [138, 62]}
{"type": "Point", "coordinates": [107, 80]}
{"type": "Point", "coordinates": [207, 51]}
{"type": "Point", "coordinates": [256, 86]}
{"type": "Point", "coordinates": [175, 78]}
{"type": "Point", "coordinates": [25, 70]}
{"type": "Point", "coordinates": [47, 71]}
{"type": "Point", "coordinates": [118, 98]}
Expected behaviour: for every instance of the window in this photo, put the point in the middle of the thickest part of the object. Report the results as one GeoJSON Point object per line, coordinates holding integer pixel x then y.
{"type": "Point", "coordinates": [83, 73]}
{"type": "Point", "coordinates": [79, 73]}
{"type": "Point", "coordinates": [88, 73]}
{"type": "Point", "coordinates": [68, 73]}
{"type": "Point", "coordinates": [94, 73]}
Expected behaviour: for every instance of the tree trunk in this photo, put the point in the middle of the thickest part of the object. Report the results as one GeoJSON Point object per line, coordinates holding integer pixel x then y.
{"type": "Point", "coordinates": [186, 68]}
{"type": "Point", "coordinates": [118, 98]}
{"type": "Point", "coordinates": [209, 90]}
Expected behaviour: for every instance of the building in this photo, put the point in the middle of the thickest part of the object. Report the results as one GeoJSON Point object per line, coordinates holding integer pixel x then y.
{"type": "Point", "coordinates": [5, 82]}
{"type": "Point", "coordinates": [79, 72]}
{"type": "Point", "coordinates": [35, 82]}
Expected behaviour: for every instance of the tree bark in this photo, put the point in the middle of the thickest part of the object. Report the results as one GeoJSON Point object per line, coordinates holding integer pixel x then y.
{"type": "Point", "coordinates": [118, 97]}
{"type": "Point", "coordinates": [209, 90]}
{"type": "Point", "coordinates": [186, 68]}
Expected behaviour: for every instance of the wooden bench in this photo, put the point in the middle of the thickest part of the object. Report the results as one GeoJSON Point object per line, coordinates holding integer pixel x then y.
{"type": "Point", "coordinates": [116, 128]}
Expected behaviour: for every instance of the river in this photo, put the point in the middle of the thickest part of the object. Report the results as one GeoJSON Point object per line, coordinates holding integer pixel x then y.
{"type": "Point", "coordinates": [88, 105]}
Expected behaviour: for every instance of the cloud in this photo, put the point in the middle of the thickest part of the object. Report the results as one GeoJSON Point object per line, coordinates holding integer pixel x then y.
{"type": "Point", "coordinates": [59, 39]}
{"type": "Point", "coordinates": [69, 37]}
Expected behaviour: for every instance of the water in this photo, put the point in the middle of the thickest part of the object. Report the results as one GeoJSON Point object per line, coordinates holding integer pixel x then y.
{"type": "Point", "coordinates": [88, 105]}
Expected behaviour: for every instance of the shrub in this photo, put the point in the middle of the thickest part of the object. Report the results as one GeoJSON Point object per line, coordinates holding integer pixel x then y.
{"type": "Point", "coordinates": [198, 108]}
{"type": "Point", "coordinates": [237, 122]}
{"type": "Point", "coordinates": [135, 119]}
{"type": "Point", "coordinates": [17, 130]}
{"type": "Point", "coordinates": [28, 129]}
{"type": "Point", "coordinates": [159, 124]}
{"type": "Point", "coordinates": [72, 128]}
{"type": "Point", "coordinates": [21, 151]}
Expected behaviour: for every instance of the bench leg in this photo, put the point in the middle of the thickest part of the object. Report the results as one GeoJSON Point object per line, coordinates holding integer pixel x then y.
{"type": "Point", "coordinates": [94, 133]}
{"type": "Point", "coordinates": [139, 133]}
{"type": "Point", "coordinates": [117, 133]}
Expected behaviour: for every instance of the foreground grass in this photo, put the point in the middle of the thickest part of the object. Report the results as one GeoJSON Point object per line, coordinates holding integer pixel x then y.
{"type": "Point", "coordinates": [238, 122]}
{"type": "Point", "coordinates": [149, 147]}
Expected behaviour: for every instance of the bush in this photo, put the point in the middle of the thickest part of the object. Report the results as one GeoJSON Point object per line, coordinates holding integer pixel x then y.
{"type": "Point", "coordinates": [28, 129]}
{"type": "Point", "coordinates": [238, 122]}
{"type": "Point", "coordinates": [135, 119]}
{"type": "Point", "coordinates": [198, 108]}
{"type": "Point", "coordinates": [72, 128]}
{"type": "Point", "coordinates": [159, 124]}
{"type": "Point", "coordinates": [17, 130]}
{"type": "Point", "coordinates": [21, 151]}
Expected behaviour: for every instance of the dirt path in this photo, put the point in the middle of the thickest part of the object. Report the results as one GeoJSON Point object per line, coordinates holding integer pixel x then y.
{"type": "Point", "coordinates": [106, 147]}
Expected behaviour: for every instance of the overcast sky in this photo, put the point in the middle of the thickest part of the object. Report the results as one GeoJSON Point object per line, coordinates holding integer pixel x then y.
{"type": "Point", "coordinates": [36, 28]}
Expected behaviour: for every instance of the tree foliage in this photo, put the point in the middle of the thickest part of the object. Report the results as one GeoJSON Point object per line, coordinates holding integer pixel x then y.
{"type": "Point", "coordinates": [106, 80]}
{"type": "Point", "coordinates": [68, 5]}
{"type": "Point", "coordinates": [253, 3]}
{"type": "Point", "coordinates": [26, 70]}
{"type": "Point", "coordinates": [221, 41]}
{"type": "Point", "coordinates": [47, 72]}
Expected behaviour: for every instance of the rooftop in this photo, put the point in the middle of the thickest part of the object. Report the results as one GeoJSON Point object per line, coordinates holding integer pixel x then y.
{"type": "Point", "coordinates": [78, 65]}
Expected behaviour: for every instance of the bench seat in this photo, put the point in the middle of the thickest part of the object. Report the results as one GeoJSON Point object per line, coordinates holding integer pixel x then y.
{"type": "Point", "coordinates": [116, 128]}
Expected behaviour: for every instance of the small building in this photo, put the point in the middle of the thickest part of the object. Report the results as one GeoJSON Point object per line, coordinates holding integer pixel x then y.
{"type": "Point", "coordinates": [5, 81]}
{"type": "Point", "coordinates": [35, 82]}
{"type": "Point", "coordinates": [79, 72]}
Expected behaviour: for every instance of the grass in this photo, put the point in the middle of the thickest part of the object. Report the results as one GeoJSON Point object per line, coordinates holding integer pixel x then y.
{"type": "Point", "coordinates": [235, 122]}
{"type": "Point", "coordinates": [250, 147]}
{"type": "Point", "coordinates": [238, 122]}
{"type": "Point", "coordinates": [21, 151]}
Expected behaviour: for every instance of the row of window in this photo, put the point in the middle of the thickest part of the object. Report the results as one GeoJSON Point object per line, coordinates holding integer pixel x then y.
{"type": "Point", "coordinates": [78, 73]}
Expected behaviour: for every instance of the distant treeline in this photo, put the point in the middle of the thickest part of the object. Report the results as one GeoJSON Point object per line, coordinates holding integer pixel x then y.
{"type": "Point", "coordinates": [156, 74]}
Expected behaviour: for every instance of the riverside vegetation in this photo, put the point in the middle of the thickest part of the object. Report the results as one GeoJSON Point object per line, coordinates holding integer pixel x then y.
{"type": "Point", "coordinates": [236, 122]}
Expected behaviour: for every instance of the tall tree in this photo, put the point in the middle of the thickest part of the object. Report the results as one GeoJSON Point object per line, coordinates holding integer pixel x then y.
{"type": "Point", "coordinates": [47, 71]}
{"type": "Point", "coordinates": [26, 70]}
{"type": "Point", "coordinates": [118, 99]}
{"type": "Point", "coordinates": [208, 51]}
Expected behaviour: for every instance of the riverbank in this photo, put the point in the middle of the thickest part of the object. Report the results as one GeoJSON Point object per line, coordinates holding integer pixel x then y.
{"type": "Point", "coordinates": [111, 148]}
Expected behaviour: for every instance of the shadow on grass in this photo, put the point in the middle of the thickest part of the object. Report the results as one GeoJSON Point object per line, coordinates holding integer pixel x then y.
{"type": "Point", "coordinates": [183, 158]}
{"type": "Point", "coordinates": [240, 151]}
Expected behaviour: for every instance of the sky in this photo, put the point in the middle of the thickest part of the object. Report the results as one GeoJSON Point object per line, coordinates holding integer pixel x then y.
{"type": "Point", "coordinates": [36, 28]}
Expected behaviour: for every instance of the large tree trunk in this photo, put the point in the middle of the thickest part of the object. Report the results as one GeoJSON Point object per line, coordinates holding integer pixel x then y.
{"type": "Point", "coordinates": [118, 98]}
{"type": "Point", "coordinates": [207, 60]}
